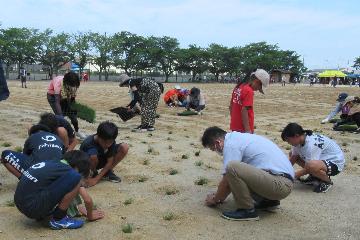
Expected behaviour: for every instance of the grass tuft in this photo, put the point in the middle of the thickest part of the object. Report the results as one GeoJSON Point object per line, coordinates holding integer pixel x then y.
{"type": "Point", "coordinates": [127, 228]}
{"type": "Point", "coordinates": [201, 181]}
{"type": "Point", "coordinates": [128, 201]}
{"type": "Point", "coordinates": [169, 216]}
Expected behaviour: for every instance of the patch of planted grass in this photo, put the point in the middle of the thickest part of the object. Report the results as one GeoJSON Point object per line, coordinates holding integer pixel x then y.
{"type": "Point", "coordinates": [127, 228]}
{"type": "Point", "coordinates": [128, 201]}
{"type": "Point", "coordinates": [168, 216]}
{"type": "Point", "coordinates": [173, 172]}
{"type": "Point", "coordinates": [199, 163]}
{"type": "Point", "coordinates": [201, 181]}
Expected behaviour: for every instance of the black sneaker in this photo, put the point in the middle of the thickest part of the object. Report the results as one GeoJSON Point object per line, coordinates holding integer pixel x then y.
{"type": "Point", "coordinates": [310, 180]}
{"type": "Point", "coordinates": [241, 215]}
{"type": "Point", "coordinates": [111, 177]}
{"type": "Point", "coordinates": [323, 187]}
{"type": "Point", "coordinates": [267, 205]}
{"type": "Point", "coordinates": [140, 128]}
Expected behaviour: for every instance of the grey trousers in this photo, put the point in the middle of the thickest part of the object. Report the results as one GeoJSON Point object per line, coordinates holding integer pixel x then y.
{"type": "Point", "coordinates": [246, 180]}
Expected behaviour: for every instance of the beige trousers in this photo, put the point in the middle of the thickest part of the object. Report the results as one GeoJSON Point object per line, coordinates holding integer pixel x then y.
{"type": "Point", "coordinates": [244, 180]}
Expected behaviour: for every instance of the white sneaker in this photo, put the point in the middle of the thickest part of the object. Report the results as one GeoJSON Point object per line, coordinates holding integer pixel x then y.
{"type": "Point", "coordinates": [324, 121]}
{"type": "Point", "coordinates": [80, 135]}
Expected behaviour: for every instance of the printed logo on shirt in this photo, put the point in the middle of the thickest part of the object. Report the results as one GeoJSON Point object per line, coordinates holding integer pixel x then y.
{"type": "Point", "coordinates": [38, 165]}
{"type": "Point", "coordinates": [319, 141]}
{"type": "Point", "coordinates": [237, 95]}
{"type": "Point", "coordinates": [48, 138]}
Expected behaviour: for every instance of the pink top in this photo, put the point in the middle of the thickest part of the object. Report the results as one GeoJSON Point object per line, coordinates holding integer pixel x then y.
{"type": "Point", "coordinates": [55, 85]}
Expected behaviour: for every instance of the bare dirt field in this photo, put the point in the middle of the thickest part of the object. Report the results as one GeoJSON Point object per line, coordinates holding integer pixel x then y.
{"type": "Point", "coordinates": [146, 178]}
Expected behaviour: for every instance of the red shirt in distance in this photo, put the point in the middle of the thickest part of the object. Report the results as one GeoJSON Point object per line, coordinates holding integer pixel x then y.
{"type": "Point", "coordinates": [242, 96]}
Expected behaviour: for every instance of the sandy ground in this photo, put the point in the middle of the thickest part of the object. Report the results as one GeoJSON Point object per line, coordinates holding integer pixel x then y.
{"type": "Point", "coordinates": [146, 178]}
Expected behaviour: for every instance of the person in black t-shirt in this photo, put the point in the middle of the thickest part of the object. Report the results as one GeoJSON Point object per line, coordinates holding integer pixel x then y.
{"type": "Point", "coordinates": [104, 153]}
{"type": "Point", "coordinates": [47, 189]}
{"type": "Point", "coordinates": [40, 146]}
{"type": "Point", "coordinates": [61, 127]}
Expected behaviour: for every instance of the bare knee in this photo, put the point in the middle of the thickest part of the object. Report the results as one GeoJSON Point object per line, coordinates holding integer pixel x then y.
{"type": "Point", "coordinates": [123, 148]}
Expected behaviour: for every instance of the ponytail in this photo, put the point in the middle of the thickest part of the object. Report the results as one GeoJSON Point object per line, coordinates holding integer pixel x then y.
{"type": "Point", "coordinates": [293, 129]}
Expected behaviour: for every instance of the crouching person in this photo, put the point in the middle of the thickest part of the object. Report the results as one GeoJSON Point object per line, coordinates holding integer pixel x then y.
{"type": "Point", "coordinates": [46, 189]}
{"type": "Point", "coordinates": [256, 172]}
{"type": "Point", "coordinates": [318, 155]}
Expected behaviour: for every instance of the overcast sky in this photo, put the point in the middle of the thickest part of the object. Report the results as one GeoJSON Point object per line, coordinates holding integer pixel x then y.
{"type": "Point", "coordinates": [326, 33]}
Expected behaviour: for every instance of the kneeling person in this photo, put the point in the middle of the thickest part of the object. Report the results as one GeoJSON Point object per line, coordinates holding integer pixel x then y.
{"type": "Point", "coordinates": [318, 155]}
{"type": "Point", "coordinates": [255, 170]}
{"type": "Point", "coordinates": [42, 145]}
{"type": "Point", "coordinates": [46, 189]}
{"type": "Point", "coordinates": [104, 153]}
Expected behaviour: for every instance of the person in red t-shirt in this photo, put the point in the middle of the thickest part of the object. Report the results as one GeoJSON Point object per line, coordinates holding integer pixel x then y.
{"type": "Point", "coordinates": [242, 101]}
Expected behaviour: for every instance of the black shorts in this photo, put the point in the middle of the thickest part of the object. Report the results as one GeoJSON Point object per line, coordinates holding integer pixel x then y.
{"type": "Point", "coordinates": [332, 169]}
{"type": "Point", "coordinates": [103, 158]}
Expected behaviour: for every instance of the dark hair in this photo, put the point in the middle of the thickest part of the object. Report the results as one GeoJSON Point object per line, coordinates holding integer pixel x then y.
{"type": "Point", "coordinates": [80, 160]}
{"type": "Point", "coordinates": [71, 79]}
{"type": "Point", "coordinates": [194, 92]}
{"type": "Point", "coordinates": [246, 78]}
{"type": "Point", "coordinates": [293, 129]}
{"type": "Point", "coordinates": [49, 120]}
{"type": "Point", "coordinates": [107, 131]}
{"type": "Point", "coordinates": [38, 127]}
{"type": "Point", "coordinates": [211, 134]}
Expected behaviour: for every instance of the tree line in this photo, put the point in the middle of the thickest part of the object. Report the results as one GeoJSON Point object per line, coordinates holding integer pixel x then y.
{"type": "Point", "coordinates": [138, 54]}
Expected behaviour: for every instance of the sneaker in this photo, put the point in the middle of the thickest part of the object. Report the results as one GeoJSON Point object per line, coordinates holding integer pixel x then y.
{"type": "Point", "coordinates": [111, 177]}
{"type": "Point", "coordinates": [241, 215]}
{"type": "Point", "coordinates": [267, 205]}
{"type": "Point", "coordinates": [310, 180]}
{"type": "Point", "coordinates": [65, 223]}
{"type": "Point", "coordinates": [323, 187]}
{"type": "Point", "coordinates": [80, 135]}
{"type": "Point", "coordinates": [140, 128]}
{"type": "Point", "coordinates": [150, 128]}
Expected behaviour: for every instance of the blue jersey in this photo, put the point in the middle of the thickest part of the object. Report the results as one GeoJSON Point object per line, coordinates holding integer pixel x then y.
{"type": "Point", "coordinates": [43, 146]}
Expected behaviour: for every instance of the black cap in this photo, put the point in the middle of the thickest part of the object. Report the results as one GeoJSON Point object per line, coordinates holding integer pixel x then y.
{"type": "Point", "coordinates": [342, 97]}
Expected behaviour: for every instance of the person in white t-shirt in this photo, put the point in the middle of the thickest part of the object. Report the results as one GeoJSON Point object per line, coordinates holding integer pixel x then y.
{"type": "Point", "coordinates": [255, 170]}
{"type": "Point", "coordinates": [318, 155]}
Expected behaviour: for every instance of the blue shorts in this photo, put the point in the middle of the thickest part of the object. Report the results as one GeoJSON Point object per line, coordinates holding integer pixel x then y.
{"type": "Point", "coordinates": [19, 161]}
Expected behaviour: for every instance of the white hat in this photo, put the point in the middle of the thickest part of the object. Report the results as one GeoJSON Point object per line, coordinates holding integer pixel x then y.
{"type": "Point", "coordinates": [123, 77]}
{"type": "Point", "coordinates": [177, 87]}
{"type": "Point", "coordinates": [263, 76]}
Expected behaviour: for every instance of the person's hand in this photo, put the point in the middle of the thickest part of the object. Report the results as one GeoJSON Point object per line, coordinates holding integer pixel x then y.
{"type": "Point", "coordinates": [91, 182]}
{"type": "Point", "coordinates": [210, 200]}
{"type": "Point", "coordinates": [96, 215]}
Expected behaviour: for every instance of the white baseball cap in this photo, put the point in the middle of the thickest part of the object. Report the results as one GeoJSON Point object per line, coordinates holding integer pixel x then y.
{"type": "Point", "coordinates": [122, 78]}
{"type": "Point", "coordinates": [177, 87]}
{"type": "Point", "coordinates": [263, 76]}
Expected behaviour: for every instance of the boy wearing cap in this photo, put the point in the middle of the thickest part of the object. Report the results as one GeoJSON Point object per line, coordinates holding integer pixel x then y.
{"type": "Point", "coordinates": [340, 103]}
{"type": "Point", "coordinates": [242, 101]}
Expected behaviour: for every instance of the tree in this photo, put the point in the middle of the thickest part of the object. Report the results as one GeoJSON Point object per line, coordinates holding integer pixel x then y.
{"type": "Point", "coordinates": [217, 59]}
{"type": "Point", "coordinates": [54, 53]}
{"type": "Point", "coordinates": [130, 52]}
{"type": "Point", "coordinates": [269, 57]}
{"type": "Point", "coordinates": [192, 60]}
{"type": "Point", "coordinates": [102, 45]}
{"type": "Point", "coordinates": [19, 46]}
{"type": "Point", "coordinates": [357, 63]}
{"type": "Point", "coordinates": [79, 49]}
{"type": "Point", "coordinates": [164, 51]}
